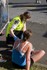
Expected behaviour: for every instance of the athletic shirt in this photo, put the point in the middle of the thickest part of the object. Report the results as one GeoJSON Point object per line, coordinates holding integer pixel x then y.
{"type": "Point", "coordinates": [22, 53]}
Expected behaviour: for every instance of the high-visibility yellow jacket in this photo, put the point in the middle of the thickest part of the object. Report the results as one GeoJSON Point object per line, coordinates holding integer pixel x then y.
{"type": "Point", "coordinates": [19, 27]}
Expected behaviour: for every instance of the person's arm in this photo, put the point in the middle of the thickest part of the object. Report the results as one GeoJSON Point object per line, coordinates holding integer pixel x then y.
{"type": "Point", "coordinates": [13, 35]}
{"type": "Point", "coordinates": [28, 59]}
{"type": "Point", "coordinates": [24, 29]}
{"type": "Point", "coordinates": [12, 30]}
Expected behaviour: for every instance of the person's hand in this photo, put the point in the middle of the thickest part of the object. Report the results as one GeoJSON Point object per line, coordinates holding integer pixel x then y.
{"type": "Point", "coordinates": [16, 38]}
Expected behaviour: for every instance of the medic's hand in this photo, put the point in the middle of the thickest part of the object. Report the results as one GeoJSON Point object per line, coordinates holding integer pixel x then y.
{"type": "Point", "coordinates": [16, 38]}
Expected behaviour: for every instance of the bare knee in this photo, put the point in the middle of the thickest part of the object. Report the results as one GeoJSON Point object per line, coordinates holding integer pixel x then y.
{"type": "Point", "coordinates": [38, 55]}
{"type": "Point", "coordinates": [42, 52]}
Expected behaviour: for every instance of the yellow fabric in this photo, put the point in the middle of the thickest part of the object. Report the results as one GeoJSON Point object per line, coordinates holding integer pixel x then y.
{"type": "Point", "coordinates": [18, 28]}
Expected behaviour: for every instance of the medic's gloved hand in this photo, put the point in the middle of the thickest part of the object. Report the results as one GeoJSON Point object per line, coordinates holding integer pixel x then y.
{"type": "Point", "coordinates": [16, 38]}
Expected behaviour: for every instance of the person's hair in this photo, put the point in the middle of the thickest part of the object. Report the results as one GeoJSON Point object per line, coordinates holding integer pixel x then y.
{"type": "Point", "coordinates": [21, 17]}
{"type": "Point", "coordinates": [27, 34]}
{"type": "Point", "coordinates": [25, 15]}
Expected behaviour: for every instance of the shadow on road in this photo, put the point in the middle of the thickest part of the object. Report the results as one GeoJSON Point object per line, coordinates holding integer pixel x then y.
{"type": "Point", "coordinates": [37, 9]}
{"type": "Point", "coordinates": [2, 44]}
{"type": "Point", "coordinates": [45, 35]}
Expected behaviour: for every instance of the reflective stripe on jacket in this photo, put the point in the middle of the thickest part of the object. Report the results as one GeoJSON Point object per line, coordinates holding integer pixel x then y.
{"type": "Point", "coordinates": [19, 27]}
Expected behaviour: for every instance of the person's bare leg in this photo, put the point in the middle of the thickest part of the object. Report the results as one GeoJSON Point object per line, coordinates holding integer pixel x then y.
{"type": "Point", "coordinates": [38, 55]}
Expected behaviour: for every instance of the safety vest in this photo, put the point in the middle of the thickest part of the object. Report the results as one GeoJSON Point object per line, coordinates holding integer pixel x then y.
{"type": "Point", "coordinates": [18, 28]}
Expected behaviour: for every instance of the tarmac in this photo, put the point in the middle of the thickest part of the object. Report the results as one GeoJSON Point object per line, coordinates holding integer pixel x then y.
{"type": "Point", "coordinates": [38, 25]}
